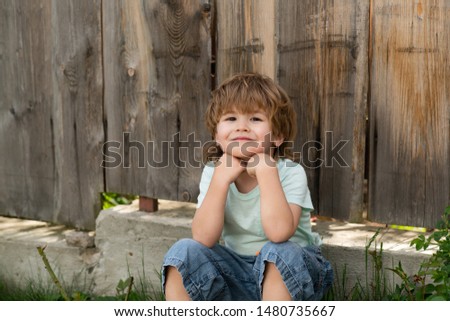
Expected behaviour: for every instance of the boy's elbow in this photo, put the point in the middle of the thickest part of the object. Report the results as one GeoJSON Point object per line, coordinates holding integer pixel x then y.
{"type": "Point", "coordinates": [279, 236]}
{"type": "Point", "coordinates": [204, 241]}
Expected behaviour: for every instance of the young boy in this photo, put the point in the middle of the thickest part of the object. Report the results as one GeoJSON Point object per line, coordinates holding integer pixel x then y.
{"type": "Point", "coordinates": [257, 199]}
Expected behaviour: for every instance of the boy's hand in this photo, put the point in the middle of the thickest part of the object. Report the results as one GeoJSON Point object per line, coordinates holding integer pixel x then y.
{"type": "Point", "coordinates": [259, 163]}
{"type": "Point", "coordinates": [228, 168]}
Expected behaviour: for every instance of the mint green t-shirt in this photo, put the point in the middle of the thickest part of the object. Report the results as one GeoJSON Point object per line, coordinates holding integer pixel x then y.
{"type": "Point", "coordinates": [243, 231]}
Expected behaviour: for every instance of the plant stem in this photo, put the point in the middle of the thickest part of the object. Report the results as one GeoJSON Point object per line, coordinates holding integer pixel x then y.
{"type": "Point", "coordinates": [52, 273]}
{"type": "Point", "coordinates": [130, 286]}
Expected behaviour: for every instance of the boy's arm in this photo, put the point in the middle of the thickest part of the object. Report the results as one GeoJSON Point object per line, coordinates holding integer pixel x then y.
{"type": "Point", "coordinates": [279, 218]}
{"type": "Point", "coordinates": [208, 220]}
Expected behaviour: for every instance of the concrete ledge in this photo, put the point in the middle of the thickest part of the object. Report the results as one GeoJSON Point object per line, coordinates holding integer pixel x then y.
{"type": "Point", "coordinates": [21, 263]}
{"type": "Point", "coordinates": [134, 243]}
{"type": "Point", "coordinates": [130, 242]}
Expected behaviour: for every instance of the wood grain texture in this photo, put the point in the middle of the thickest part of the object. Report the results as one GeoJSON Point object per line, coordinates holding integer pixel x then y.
{"type": "Point", "coordinates": [410, 175]}
{"type": "Point", "coordinates": [51, 111]}
{"type": "Point", "coordinates": [78, 109]}
{"type": "Point", "coordinates": [157, 66]}
{"type": "Point", "coordinates": [323, 66]}
{"type": "Point", "coordinates": [195, 87]}
{"type": "Point", "coordinates": [246, 37]}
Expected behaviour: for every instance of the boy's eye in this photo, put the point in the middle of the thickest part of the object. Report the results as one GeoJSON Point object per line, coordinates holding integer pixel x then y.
{"type": "Point", "coordinates": [255, 119]}
{"type": "Point", "coordinates": [230, 118]}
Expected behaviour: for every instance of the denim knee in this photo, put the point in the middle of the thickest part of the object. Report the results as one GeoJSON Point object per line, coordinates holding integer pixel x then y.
{"type": "Point", "coordinates": [182, 248]}
{"type": "Point", "coordinates": [306, 274]}
{"type": "Point", "coordinates": [187, 255]}
{"type": "Point", "coordinates": [179, 255]}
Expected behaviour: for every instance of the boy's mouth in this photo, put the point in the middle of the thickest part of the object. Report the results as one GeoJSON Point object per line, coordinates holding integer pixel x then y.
{"type": "Point", "coordinates": [242, 138]}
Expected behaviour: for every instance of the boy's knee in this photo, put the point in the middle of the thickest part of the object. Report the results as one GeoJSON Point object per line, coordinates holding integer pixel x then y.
{"type": "Point", "coordinates": [184, 245]}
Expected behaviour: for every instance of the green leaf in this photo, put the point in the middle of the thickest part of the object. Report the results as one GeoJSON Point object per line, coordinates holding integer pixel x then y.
{"type": "Point", "coordinates": [447, 211]}
{"type": "Point", "coordinates": [438, 235]}
{"type": "Point", "coordinates": [418, 242]}
{"type": "Point", "coordinates": [442, 288]}
{"type": "Point", "coordinates": [429, 288]}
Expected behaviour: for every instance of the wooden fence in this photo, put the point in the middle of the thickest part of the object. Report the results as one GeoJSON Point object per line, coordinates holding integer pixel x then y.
{"type": "Point", "coordinates": [110, 96]}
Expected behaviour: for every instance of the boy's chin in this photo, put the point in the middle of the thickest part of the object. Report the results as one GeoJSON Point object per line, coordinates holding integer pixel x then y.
{"type": "Point", "coordinates": [242, 156]}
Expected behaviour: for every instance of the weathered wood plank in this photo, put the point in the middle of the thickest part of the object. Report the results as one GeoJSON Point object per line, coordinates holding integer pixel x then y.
{"type": "Point", "coordinates": [133, 101]}
{"type": "Point", "coordinates": [195, 87]}
{"type": "Point", "coordinates": [25, 136]}
{"type": "Point", "coordinates": [157, 82]}
{"type": "Point", "coordinates": [246, 37]}
{"type": "Point", "coordinates": [77, 107]}
{"type": "Point", "coordinates": [323, 66]}
{"type": "Point", "coordinates": [51, 111]}
{"type": "Point", "coordinates": [409, 118]}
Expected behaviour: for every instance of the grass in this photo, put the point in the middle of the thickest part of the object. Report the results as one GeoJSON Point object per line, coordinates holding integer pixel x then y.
{"type": "Point", "coordinates": [38, 290]}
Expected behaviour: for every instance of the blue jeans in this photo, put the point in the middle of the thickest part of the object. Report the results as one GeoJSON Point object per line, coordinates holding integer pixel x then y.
{"type": "Point", "coordinates": [218, 273]}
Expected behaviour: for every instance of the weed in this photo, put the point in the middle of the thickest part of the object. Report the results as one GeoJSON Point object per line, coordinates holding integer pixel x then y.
{"type": "Point", "coordinates": [374, 286]}
{"type": "Point", "coordinates": [437, 267]}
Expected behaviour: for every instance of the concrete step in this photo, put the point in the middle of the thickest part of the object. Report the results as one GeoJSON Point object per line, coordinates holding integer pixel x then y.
{"type": "Point", "coordinates": [133, 243]}
{"type": "Point", "coordinates": [73, 261]}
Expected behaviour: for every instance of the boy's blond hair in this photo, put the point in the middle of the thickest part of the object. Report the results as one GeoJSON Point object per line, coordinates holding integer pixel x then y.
{"type": "Point", "coordinates": [247, 93]}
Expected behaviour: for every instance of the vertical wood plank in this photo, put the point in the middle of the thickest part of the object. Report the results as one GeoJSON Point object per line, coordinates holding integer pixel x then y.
{"type": "Point", "coordinates": [323, 66]}
{"type": "Point", "coordinates": [157, 81]}
{"type": "Point", "coordinates": [52, 111]}
{"type": "Point", "coordinates": [25, 107]}
{"type": "Point", "coordinates": [77, 108]}
{"type": "Point", "coordinates": [195, 87]}
{"type": "Point", "coordinates": [410, 179]}
{"type": "Point", "coordinates": [246, 37]}
{"type": "Point", "coordinates": [138, 108]}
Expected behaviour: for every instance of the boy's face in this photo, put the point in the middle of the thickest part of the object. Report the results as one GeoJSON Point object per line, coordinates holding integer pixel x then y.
{"type": "Point", "coordinates": [243, 135]}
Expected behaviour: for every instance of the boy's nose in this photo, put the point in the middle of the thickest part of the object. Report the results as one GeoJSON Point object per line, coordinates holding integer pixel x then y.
{"type": "Point", "coordinates": [242, 125]}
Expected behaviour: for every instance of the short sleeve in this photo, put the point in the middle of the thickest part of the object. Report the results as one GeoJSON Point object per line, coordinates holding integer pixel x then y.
{"type": "Point", "coordinates": [205, 181]}
{"type": "Point", "coordinates": [295, 184]}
